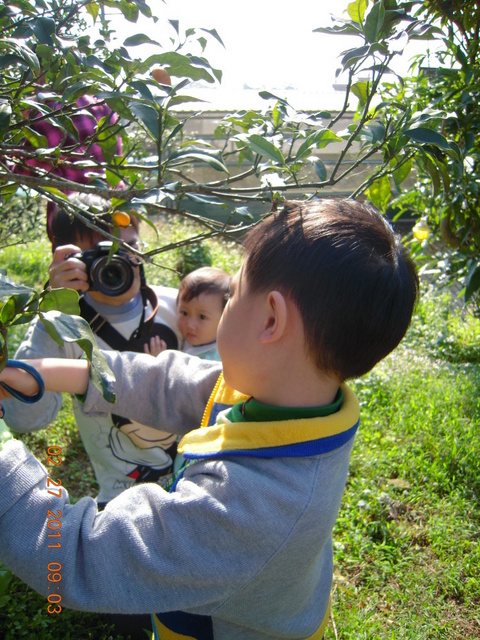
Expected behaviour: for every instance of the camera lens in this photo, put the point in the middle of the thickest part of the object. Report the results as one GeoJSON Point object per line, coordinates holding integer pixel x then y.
{"type": "Point", "coordinates": [113, 277]}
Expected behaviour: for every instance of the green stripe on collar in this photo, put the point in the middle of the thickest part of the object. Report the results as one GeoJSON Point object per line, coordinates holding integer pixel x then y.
{"type": "Point", "coordinates": [253, 411]}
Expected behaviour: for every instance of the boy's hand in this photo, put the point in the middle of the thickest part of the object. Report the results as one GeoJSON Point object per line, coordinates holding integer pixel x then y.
{"type": "Point", "coordinates": [67, 272]}
{"type": "Point", "coordinates": [17, 379]}
{"type": "Point", "coordinates": [155, 346]}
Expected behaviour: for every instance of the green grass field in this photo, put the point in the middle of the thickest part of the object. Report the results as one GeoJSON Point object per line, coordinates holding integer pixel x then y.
{"type": "Point", "coordinates": [407, 549]}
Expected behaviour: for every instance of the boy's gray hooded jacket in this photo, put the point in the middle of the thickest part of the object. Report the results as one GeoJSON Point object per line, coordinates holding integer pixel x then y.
{"type": "Point", "coordinates": [242, 545]}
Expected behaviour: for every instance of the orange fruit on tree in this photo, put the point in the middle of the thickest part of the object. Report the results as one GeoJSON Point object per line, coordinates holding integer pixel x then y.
{"type": "Point", "coordinates": [161, 75]}
{"type": "Point", "coordinates": [121, 219]}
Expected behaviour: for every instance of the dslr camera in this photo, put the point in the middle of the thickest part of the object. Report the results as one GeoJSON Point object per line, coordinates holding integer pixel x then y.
{"type": "Point", "coordinates": [111, 276]}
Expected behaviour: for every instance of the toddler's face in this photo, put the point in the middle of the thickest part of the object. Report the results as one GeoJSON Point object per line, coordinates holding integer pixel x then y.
{"type": "Point", "coordinates": [199, 317]}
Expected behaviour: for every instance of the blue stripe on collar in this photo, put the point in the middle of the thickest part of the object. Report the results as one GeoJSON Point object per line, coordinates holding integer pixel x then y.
{"type": "Point", "coordinates": [295, 450]}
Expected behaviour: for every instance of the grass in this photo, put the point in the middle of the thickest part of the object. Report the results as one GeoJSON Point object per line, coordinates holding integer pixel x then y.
{"type": "Point", "coordinates": [407, 538]}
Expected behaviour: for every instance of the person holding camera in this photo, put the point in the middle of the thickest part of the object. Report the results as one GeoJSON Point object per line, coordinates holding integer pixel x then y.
{"type": "Point", "coordinates": [125, 314]}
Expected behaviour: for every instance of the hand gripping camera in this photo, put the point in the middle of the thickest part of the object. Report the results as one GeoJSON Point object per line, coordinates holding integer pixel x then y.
{"type": "Point", "coordinates": [111, 276]}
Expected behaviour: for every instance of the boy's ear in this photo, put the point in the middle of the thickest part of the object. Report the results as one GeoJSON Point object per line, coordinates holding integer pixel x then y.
{"type": "Point", "coordinates": [275, 319]}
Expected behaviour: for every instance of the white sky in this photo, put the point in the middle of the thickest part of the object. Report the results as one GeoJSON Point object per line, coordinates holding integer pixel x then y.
{"type": "Point", "coordinates": [269, 44]}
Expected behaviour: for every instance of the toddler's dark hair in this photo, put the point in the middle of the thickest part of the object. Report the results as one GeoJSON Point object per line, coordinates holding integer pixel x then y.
{"type": "Point", "coordinates": [209, 280]}
{"type": "Point", "coordinates": [349, 274]}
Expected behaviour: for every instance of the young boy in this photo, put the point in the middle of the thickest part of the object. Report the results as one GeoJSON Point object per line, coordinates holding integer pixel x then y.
{"type": "Point", "coordinates": [241, 547]}
{"type": "Point", "coordinates": [202, 296]}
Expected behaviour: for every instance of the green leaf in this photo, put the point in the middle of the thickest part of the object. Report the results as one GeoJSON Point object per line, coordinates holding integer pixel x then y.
{"type": "Point", "coordinates": [8, 288]}
{"type": "Point", "coordinates": [9, 60]}
{"type": "Point", "coordinates": [354, 55]}
{"type": "Point", "coordinates": [147, 115]}
{"type": "Point", "coordinates": [473, 281]}
{"type": "Point", "coordinates": [318, 167]}
{"type": "Point", "coordinates": [176, 100]}
{"type": "Point", "coordinates": [23, 52]}
{"type": "Point", "coordinates": [374, 132]}
{"type": "Point", "coordinates": [175, 24]}
{"type": "Point", "coordinates": [266, 95]}
{"type": "Point", "coordinates": [400, 174]}
{"type": "Point", "coordinates": [93, 10]}
{"type": "Point", "coordinates": [205, 206]}
{"type": "Point", "coordinates": [64, 300]}
{"type": "Point", "coordinates": [181, 66]}
{"type": "Point", "coordinates": [346, 29]}
{"type": "Point", "coordinates": [356, 10]}
{"type": "Point", "coordinates": [213, 32]}
{"type": "Point", "coordinates": [142, 88]}
{"type": "Point", "coordinates": [379, 193]}
{"type": "Point", "coordinates": [455, 152]}
{"type": "Point", "coordinates": [265, 148]}
{"type": "Point", "coordinates": [5, 115]}
{"type": "Point", "coordinates": [318, 139]}
{"type": "Point", "coordinates": [360, 89]}
{"type": "Point", "coordinates": [129, 10]}
{"type": "Point", "coordinates": [5, 579]}
{"type": "Point", "coordinates": [445, 173]}
{"type": "Point", "coordinates": [74, 329]}
{"type": "Point", "coordinates": [54, 191]}
{"type": "Point", "coordinates": [374, 22]}
{"type": "Point", "coordinates": [244, 214]}
{"type": "Point", "coordinates": [44, 28]}
{"type": "Point", "coordinates": [137, 39]}
{"type": "Point", "coordinates": [212, 158]}
{"type": "Point", "coordinates": [428, 136]}
{"type": "Point", "coordinates": [211, 201]}
{"type": "Point", "coordinates": [277, 115]}
{"type": "Point", "coordinates": [7, 312]}
{"type": "Point", "coordinates": [23, 319]}
{"type": "Point", "coordinates": [21, 300]}
{"type": "Point", "coordinates": [107, 142]}
{"type": "Point", "coordinates": [45, 52]}
{"type": "Point", "coordinates": [434, 175]}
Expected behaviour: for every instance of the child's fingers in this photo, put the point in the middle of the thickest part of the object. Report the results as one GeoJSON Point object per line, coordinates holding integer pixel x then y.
{"type": "Point", "coordinates": [163, 346]}
{"type": "Point", "coordinates": [155, 346]}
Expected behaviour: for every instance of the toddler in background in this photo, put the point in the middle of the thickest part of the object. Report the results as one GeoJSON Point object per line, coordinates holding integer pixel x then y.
{"type": "Point", "coordinates": [202, 297]}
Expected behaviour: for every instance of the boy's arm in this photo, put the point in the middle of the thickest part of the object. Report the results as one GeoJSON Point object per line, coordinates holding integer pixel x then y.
{"type": "Point", "coordinates": [28, 502]}
{"type": "Point", "coordinates": [59, 374]}
{"type": "Point", "coordinates": [149, 550]}
{"type": "Point", "coordinates": [168, 392]}
{"type": "Point", "coordinates": [172, 389]}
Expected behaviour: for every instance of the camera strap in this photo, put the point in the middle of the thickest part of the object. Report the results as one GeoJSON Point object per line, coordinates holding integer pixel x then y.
{"type": "Point", "coordinates": [146, 329]}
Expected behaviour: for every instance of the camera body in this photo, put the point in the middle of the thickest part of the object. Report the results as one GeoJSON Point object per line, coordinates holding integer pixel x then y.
{"type": "Point", "coordinates": [113, 275]}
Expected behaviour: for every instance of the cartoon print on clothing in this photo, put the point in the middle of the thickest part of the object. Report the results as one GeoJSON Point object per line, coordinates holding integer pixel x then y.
{"type": "Point", "coordinates": [150, 452]}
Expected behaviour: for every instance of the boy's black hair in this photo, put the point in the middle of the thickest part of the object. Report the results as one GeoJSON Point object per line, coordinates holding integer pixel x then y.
{"type": "Point", "coordinates": [66, 228]}
{"type": "Point", "coordinates": [349, 274]}
{"type": "Point", "coordinates": [210, 280]}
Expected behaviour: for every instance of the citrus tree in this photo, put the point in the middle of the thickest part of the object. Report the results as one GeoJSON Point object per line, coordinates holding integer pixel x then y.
{"type": "Point", "coordinates": [446, 192]}
{"type": "Point", "coordinates": [84, 113]}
